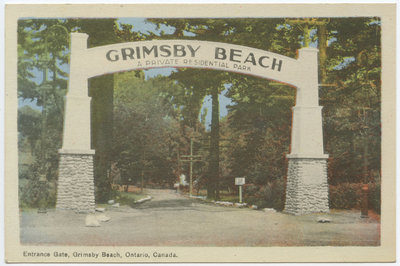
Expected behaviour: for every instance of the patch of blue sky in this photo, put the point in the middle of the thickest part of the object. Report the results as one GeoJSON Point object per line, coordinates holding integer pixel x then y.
{"type": "Point", "coordinates": [281, 26]}
{"type": "Point", "coordinates": [224, 102]}
{"type": "Point", "coordinates": [144, 26]}
{"type": "Point", "coordinates": [375, 22]}
{"type": "Point", "coordinates": [332, 40]}
{"type": "Point", "coordinates": [188, 33]}
{"type": "Point", "coordinates": [37, 76]}
{"type": "Point", "coordinates": [313, 32]}
{"type": "Point", "coordinates": [346, 62]}
{"type": "Point", "coordinates": [38, 79]}
{"type": "Point", "coordinates": [30, 103]}
{"type": "Point", "coordinates": [153, 72]}
{"type": "Point", "coordinates": [314, 43]}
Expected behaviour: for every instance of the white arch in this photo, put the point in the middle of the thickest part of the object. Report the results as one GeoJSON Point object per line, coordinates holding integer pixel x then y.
{"type": "Point", "coordinates": [302, 73]}
{"type": "Point", "coordinates": [86, 63]}
{"type": "Point", "coordinates": [190, 53]}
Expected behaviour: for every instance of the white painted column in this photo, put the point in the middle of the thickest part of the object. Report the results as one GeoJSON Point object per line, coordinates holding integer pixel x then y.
{"type": "Point", "coordinates": [307, 182]}
{"type": "Point", "coordinates": [75, 189]}
{"type": "Point", "coordinates": [77, 107]}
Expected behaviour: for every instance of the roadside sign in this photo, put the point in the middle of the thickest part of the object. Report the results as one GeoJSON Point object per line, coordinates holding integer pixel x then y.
{"type": "Point", "coordinates": [239, 181]}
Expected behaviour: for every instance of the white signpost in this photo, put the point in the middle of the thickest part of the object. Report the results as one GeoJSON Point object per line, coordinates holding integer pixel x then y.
{"type": "Point", "coordinates": [240, 181]}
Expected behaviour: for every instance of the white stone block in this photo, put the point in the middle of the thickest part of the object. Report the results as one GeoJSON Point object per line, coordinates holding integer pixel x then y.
{"type": "Point", "coordinates": [143, 200]}
{"type": "Point", "coordinates": [323, 220]}
{"type": "Point", "coordinates": [224, 203]}
{"type": "Point", "coordinates": [102, 217]}
{"type": "Point", "coordinates": [269, 210]}
{"type": "Point", "coordinates": [91, 221]}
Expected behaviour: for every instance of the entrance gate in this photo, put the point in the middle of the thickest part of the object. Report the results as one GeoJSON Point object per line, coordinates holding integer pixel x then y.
{"type": "Point", "coordinates": [307, 186]}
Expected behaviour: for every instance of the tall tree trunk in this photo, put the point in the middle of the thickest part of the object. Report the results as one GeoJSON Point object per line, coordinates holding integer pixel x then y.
{"type": "Point", "coordinates": [322, 43]}
{"type": "Point", "coordinates": [212, 186]}
{"type": "Point", "coordinates": [101, 89]}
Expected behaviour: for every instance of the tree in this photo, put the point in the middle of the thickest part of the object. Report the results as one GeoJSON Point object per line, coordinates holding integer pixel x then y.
{"type": "Point", "coordinates": [354, 66]}
{"type": "Point", "coordinates": [146, 132]}
{"type": "Point", "coordinates": [29, 126]}
{"type": "Point", "coordinates": [43, 47]}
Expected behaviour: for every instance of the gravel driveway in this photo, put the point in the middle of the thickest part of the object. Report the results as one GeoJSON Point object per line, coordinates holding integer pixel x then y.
{"type": "Point", "coordinates": [171, 219]}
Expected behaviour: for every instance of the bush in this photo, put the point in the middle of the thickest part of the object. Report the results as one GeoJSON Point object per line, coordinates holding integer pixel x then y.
{"type": "Point", "coordinates": [249, 193]}
{"type": "Point", "coordinates": [103, 191]}
{"type": "Point", "coordinates": [271, 195]}
{"type": "Point", "coordinates": [127, 198]}
{"type": "Point", "coordinates": [345, 196]}
{"type": "Point", "coordinates": [348, 196]}
{"type": "Point", "coordinates": [374, 197]}
{"type": "Point", "coordinates": [33, 194]}
{"type": "Point", "coordinates": [30, 192]}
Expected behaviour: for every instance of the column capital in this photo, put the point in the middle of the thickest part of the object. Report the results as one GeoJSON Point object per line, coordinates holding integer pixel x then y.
{"type": "Point", "coordinates": [79, 35]}
{"type": "Point", "coordinates": [302, 107]}
{"type": "Point", "coordinates": [307, 156]}
{"type": "Point", "coordinates": [308, 50]}
{"type": "Point", "coordinates": [76, 151]}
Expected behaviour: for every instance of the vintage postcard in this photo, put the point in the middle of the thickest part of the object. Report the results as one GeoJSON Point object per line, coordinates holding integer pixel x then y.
{"type": "Point", "coordinates": [200, 133]}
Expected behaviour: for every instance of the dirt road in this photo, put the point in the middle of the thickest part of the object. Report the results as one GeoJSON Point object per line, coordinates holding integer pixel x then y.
{"type": "Point", "coordinates": [170, 219]}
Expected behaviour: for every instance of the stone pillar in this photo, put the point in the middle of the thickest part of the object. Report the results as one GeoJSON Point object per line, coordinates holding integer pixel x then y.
{"type": "Point", "coordinates": [307, 180]}
{"type": "Point", "coordinates": [75, 182]}
{"type": "Point", "coordinates": [307, 186]}
{"type": "Point", "coordinates": [75, 190]}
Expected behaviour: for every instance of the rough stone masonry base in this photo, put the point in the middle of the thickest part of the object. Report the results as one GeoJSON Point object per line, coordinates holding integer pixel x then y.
{"type": "Point", "coordinates": [307, 186]}
{"type": "Point", "coordinates": [75, 183]}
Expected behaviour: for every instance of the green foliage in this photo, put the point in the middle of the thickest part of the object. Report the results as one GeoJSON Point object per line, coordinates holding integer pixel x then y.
{"type": "Point", "coordinates": [260, 121]}
{"type": "Point", "coordinates": [270, 195]}
{"type": "Point", "coordinates": [348, 196]}
{"type": "Point", "coordinates": [128, 198]}
{"type": "Point", "coordinates": [34, 193]}
{"type": "Point", "coordinates": [43, 48]}
{"type": "Point", "coordinates": [30, 192]}
{"type": "Point", "coordinates": [374, 197]}
{"type": "Point", "coordinates": [146, 133]}
{"type": "Point", "coordinates": [29, 126]}
{"type": "Point", "coordinates": [352, 107]}
{"type": "Point", "coordinates": [345, 196]}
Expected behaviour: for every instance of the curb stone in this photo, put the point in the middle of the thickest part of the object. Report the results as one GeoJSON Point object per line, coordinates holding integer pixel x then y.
{"type": "Point", "coordinates": [143, 199]}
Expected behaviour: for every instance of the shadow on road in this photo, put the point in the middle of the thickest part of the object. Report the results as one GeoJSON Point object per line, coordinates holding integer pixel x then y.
{"type": "Point", "coordinates": [172, 203]}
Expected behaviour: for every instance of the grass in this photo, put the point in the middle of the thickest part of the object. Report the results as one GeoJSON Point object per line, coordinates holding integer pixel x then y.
{"type": "Point", "coordinates": [232, 196]}
{"type": "Point", "coordinates": [33, 209]}
{"type": "Point", "coordinates": [102, 205]}
{"type": "Point", "coordinates": [128, 198]}
{"type": "Point", "coordinates": [121, 197]}
{"type": "Point", "coordinates": [229, 197]}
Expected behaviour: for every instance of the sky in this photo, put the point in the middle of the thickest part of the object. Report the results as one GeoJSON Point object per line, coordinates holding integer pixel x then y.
{"type": "Point", "coordinates": [141, 25]}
